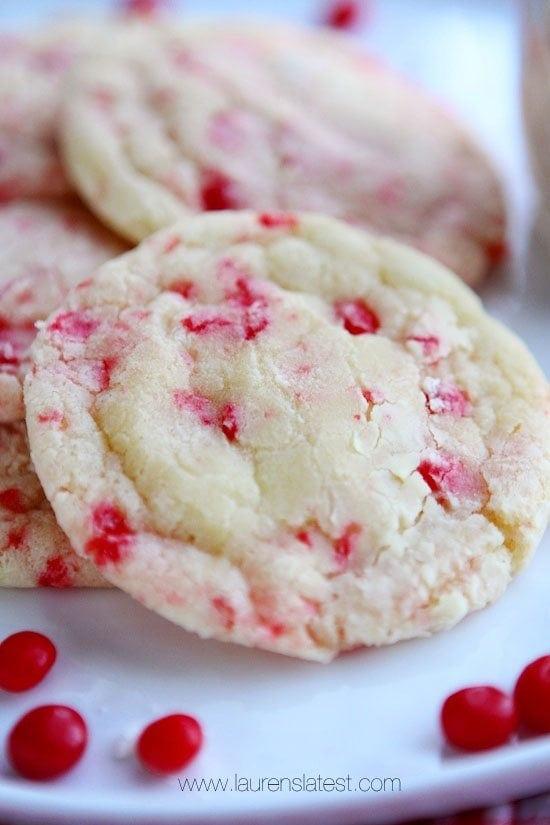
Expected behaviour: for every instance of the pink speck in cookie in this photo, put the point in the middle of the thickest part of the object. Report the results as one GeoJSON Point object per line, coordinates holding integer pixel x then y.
{"type": "Point", "coordinates": [187, 289]}
{"type": "Point", "coordinates": [202, 407]}
{"type": "Point", "coordinates": [357, 317]}
{"type": "Point", "coordinates": [15, 339]}
{"type": "Point", "coordinates": [111, 537]}
{"type": "Point", "coordinates": [56, 573]}
{"type": "Point", "coordinates": [275, 629]}
{"type": "Point", "coordinates": [225, 611]}
{"type": "Point", "coordinates": [278, 220]}
{"type": "Point", "coordinates": [346, 543]}
{"type": "Point", "coordinates": [227, 130]}
{"type": "Point", "coordinates": [372, 396]}
{"type": "Point", "coordinates": [50, 416]}
{"type": "Point", "coordinates": [217, 192]}
{"type": "Point", "coordinates": [172, 243]}
{"type": "Point", "coordinates": [445, 398]}
{"type": "Point", "coordinates": [429, 343]}
{"type": "Point", "coordinates": [391, 192]}
{"type": "Point", "coordinates": [12, 500]}
{"type": "Point", "coordinates": [450, 476]}
{"type": "Point", "coordinates": [75, 325]}
{"type": "Point", "coordinates": [229, 422]}
{"type": "Point", "coordinates": [103, 371]}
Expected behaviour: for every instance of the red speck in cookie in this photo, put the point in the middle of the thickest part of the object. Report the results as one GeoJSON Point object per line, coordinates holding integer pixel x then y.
{"type": "Point", "coordinates": [12, 500]}
{"type": "Point", "coordinates": [56, 573]}
{"type": "Point", "coordinates": [304, 537]}
{"type": "Point", "coordinates": [278, 220]}
{"type": "Point", "coordinates": [75, 325]}
{"type": "Point", "coordinates": [206, 322]}
{"type": "Point", "coordinates": [217, 192]}
{"type": "Point", "coordinates": [17, 538]}
{"type": "Point", "coordinates": [445, 398]}
{"type": "Point", "coordinates": [450, 476]}
{"type": "Point", "coordinates": [229, 421]}
{"type": "Point", "coordinates": [49, 416]}
{"type": "Point", "coordinates": [202, 407]}
{"type": "Point", "coordinates": [429, 343]}
{"type": "Point", "coordinates": [171, 244]}
{"type": "Point", "coordinates": [187, 289]}
{"type": "Point", "coordinates": [225, 611]}
{"type": "Point", "coordinates": [345, 544]}
{"type": "Point", "coordinates": [357, 317]}
{"type": "Point", "coordinates": [111, 537]}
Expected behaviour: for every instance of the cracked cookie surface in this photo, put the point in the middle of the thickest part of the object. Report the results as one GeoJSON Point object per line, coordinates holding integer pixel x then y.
{"type": "Point", "coordinates": [224, 116]}
{"type": "Point", "coordinates": [283, 432]}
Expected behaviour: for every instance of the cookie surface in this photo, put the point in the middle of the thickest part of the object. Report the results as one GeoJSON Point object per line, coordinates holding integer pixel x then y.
{"type": "Point", "coordinates": [33, 549]}
{"type": "Point", "coordinates": [281, 431]}
{"type": "Point", "coordinates": [48, 247]}
{"type": "Point", "coordinates": [231, 117]}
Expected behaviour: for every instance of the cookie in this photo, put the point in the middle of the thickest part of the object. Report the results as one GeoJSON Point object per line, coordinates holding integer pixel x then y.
{"type": "Point", "coordinates": [33, 549]}
{"type": "Point", "coordinates": [33, 69]}
{"type": "Point", "coordinates": [47, 247]}
{"type": "Point", "coordinates": [230, 117]}
{"type": "Point", "coordinates": [280, 431]}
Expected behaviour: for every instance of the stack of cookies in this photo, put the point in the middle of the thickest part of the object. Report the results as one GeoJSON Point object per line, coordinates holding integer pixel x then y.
{"type": "Point", "coordinates": [275, 421]}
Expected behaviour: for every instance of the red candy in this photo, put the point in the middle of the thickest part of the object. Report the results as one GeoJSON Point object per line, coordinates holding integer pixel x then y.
{"type": "Point", "coordinates": [532, 696]}
{"type": "Point", "coordinates": [169, 744]}
{"type": "Point", "coordinates": [25, 659]}
{"type": "Point", "coordinates": [47, 742]}
{"type": "Point", "coordinates": [217, 192]}
{"type": "Point", "coordinates": [357, 317]}
{"type": "Point", "coordinates": [344, 14]}
{"type": "Point", "coordinates": [112, 535]}
{"type": "Point", "coordinates": [478, 718]}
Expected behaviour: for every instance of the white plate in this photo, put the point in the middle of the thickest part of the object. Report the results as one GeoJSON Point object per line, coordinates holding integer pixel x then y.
{"type": "Point", "coordinates": [370, 714]}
